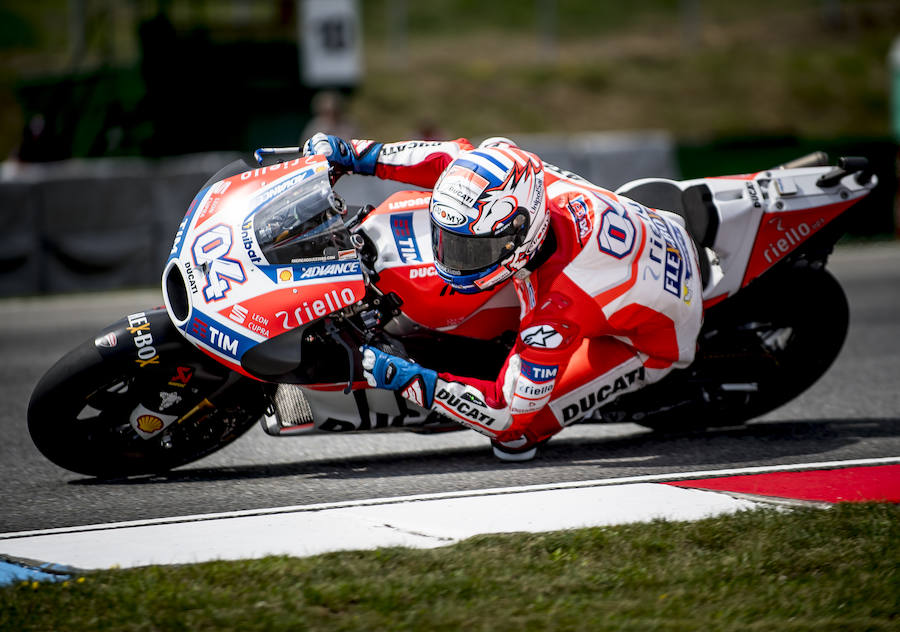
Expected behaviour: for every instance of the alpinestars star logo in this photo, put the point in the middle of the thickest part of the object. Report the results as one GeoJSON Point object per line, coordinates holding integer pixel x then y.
{"type": "Point", "coordinates": [542, 337]}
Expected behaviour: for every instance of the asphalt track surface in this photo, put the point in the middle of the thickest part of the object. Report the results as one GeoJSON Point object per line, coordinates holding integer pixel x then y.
{"type": "Point", "coordinates": [853, 412]}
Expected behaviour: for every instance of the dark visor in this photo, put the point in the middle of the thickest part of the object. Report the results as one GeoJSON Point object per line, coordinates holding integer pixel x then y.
{"type": "Point", "coordinates": [462, 254]}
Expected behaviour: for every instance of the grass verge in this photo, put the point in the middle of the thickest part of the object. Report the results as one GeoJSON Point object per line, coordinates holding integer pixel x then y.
{"type": "Point", "coordinates": [807, 569]}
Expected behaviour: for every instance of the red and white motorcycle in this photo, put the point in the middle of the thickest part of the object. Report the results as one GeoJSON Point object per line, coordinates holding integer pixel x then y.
{"type": "Point", "coordinates": [273, 284]}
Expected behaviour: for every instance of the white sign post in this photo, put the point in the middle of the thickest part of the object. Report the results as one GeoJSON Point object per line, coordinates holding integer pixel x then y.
{"type": "Point", "coordinates": [331, 42]}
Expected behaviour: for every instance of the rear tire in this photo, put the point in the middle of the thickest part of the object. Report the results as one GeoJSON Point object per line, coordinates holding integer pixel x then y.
{"type": "Point", "coordinates": [79, 413]}
{"type": "Point", "coordinates": [775, 339]}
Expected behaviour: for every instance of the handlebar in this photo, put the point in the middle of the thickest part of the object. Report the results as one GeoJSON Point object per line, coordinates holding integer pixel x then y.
{"type": "Point", "coordinates": [815, 159]}
{"type": "Point", "coordinates": [261, 153]}
{"type": "Point", "coordinates": [846, 166]}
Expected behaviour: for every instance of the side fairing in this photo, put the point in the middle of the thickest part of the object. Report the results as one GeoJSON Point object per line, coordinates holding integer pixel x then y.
{"type": "Point", "coordinates": [401, 231]}
{"type": "Point", "coordinates": [235, 298]}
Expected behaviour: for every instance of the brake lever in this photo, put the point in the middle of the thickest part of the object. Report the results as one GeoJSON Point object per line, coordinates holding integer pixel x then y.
{"type": "Point", "coordinates": [335, 333]}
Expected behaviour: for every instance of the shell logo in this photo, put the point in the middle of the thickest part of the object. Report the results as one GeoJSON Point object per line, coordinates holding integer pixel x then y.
{"type": "Point", "coordinates": [149, 423]}
{"type": "Point", "coordinates": [285, 274]}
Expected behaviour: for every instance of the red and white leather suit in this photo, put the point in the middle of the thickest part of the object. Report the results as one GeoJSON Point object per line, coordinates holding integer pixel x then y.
{"type": "Point", "coordinates": [616, 306]}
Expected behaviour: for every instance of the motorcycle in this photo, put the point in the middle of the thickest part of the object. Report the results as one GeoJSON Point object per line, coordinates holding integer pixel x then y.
{"type": "Point", "coordinates": [273, 284]}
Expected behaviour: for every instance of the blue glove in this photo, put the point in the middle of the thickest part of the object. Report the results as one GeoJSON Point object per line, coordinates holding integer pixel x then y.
{"type": "Point", "coordinates": [383, 370]}
{"type": "Point", "coordinates": [342, 154]}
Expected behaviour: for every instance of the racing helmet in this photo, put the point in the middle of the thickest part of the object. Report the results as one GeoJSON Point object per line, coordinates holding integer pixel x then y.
{"type": "Point", "coordinates": [488, 215]}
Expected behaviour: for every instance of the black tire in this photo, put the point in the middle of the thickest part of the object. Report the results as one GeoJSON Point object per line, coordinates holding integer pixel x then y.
{"type": "Point", "coordinates": [780, 334]}
{"type": "Point", "coordinates": [79, 413]}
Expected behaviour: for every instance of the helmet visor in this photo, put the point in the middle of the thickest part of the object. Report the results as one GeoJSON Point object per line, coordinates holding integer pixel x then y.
{"type": "Point", "coordinates": [462, 254]}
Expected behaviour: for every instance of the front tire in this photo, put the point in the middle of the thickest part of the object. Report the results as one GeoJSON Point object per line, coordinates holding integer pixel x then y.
{"type": "Point", "coordinates": [80, 412]}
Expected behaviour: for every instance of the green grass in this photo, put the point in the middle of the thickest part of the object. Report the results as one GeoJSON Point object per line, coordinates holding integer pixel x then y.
{"type": "Point", "coordinates": [475, 68]}
{"type": "Point", "coordinates": [766, 570]}
{"type": "Point", "coordinates": [744, 68]}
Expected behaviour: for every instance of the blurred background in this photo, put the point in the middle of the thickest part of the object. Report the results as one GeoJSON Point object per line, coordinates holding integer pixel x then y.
{"type": "Point", "coordinates": [114, 112]}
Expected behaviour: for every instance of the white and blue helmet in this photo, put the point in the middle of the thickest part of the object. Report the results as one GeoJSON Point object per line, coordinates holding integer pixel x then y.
{"type": "Point", "coordinates": [488, 215]}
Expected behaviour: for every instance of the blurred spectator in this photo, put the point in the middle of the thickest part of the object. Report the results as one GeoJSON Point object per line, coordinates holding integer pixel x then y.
{"type": "Point", "coordinates": [329, 117]}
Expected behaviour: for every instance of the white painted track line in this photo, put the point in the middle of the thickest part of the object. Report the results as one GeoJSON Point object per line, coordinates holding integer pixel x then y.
{"type": "Point", "coordinates": [423, 521]}
{"type": "Point", "coordinates": [419, 524]}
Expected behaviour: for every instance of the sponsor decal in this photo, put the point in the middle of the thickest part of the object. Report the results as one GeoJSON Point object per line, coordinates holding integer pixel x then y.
{"type": "Point", "coordinates": [331, 300]}
{"type": "Point", "coordinates": [218, 336]}
{"type": "Point", "coordinates": [280, 186]}
{"type": "Point", "coordinates": [402, 229]}
{"type": "Point", "coordinates": [238, 314]}
{"type": "Point", "coordinates": [210, 251]}
{"type": "Point", "coordinates": [189, 273]}
{"type": "Point", "coordinates": [247, 240]}
{"type": "Point", "coordinates": [108, 341]}
{"type": "Point", "coordinates": [582, 215]}
{"type": "Point", "coordinates": [754, 196]}
{"type": "Point", "coordinates": [183, 375]}
{"type": "Point", "coordinates": [423, 272]}
{"type": "Point", "coordinates": [533, 387]}
{"type": "Point", "coordinates": [259, 326]}
{"type": "Point", "coordinates": [597, 397]}
{"type": "Point", "coordinates": [167, 400]}
{"type": "Point", "coordinates": [139, 328]}
{"type": "Point", "coordinates": [542, 337]}
{"type": "Point", "coordinates": [666, 251]}
{"type": "Point", "coordinates": [390, 149]}
{"type": "Point", "coordinates": [248, 319]}
{"type": "Point", "coordinates": [211, 205]}
{"type": "Point", "coordinates": [419, 202]}
{"type": "Point", "coordinates": [340, 268]}
{"type": "Point", "coordinates": [467, 406]}
{"type": "Point", "coordinates": [176, 245]}
{"type": "Point", "coordinates": [539, 373]}
{"type": "Point", "coordinates": [149, 423]}
{"type": "Point", "coordinates": [789, 238]}
{"type": "Point", "coordinates": [463, 184]}
{"type": "Point", "coordinates": [285, 275]}
{"type": "Point", "coordinates": [446, 216]}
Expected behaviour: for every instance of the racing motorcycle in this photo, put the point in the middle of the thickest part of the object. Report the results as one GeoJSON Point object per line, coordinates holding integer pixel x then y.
{"type": "Point", "coordinates": [273, 284]}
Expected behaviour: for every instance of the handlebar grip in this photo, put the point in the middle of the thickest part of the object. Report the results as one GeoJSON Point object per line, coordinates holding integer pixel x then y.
{"type": "Point", "coordinates": [853, 163]}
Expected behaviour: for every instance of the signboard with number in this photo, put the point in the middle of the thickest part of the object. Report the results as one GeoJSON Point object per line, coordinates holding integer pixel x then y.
{"type": "Point", "coordinates": [331, 42]}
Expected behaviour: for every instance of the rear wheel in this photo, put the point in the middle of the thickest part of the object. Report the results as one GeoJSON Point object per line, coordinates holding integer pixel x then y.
{"type": "Point", "coordinates": [756, 352]}
{"type": "Point", "coordinates": [106, 416]}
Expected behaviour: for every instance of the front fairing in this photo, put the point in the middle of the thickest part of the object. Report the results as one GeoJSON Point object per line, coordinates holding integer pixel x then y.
{"type": "Point", "coordinates": [242, 286]}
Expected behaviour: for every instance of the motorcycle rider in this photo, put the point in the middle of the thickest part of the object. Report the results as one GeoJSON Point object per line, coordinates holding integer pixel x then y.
{"type": "Point", "coordinates": [609, 289]}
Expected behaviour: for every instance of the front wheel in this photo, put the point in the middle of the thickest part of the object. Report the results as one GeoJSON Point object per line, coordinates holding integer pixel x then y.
{"type": "Point", "coordinates": [109, 415]}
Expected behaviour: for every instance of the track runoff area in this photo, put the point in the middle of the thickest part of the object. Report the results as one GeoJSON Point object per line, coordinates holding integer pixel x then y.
{"type": "Point", "coordinates": [431, 520]}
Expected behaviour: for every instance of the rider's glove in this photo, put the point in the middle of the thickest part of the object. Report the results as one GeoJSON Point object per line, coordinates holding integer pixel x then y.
{"type": "Point", "coordinates": [343, 155]}
{"type": "Point", "coordinates": [383, 370]}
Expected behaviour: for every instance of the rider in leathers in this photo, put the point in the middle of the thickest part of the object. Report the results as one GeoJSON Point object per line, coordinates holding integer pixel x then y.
{"type": "Point", "coordinates": [609, 289]}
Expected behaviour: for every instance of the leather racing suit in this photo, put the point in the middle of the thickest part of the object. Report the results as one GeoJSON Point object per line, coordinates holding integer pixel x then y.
{"type": "Point", "coordinates": [610, 303]}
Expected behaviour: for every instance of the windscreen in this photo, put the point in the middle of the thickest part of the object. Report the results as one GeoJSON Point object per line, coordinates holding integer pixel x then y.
{"type": "Point", "coordinates": [304, 223]}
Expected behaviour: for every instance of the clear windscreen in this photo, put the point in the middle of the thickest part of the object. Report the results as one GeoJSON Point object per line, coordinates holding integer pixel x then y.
{"type": "Point", "coordinates": [304, 223]}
